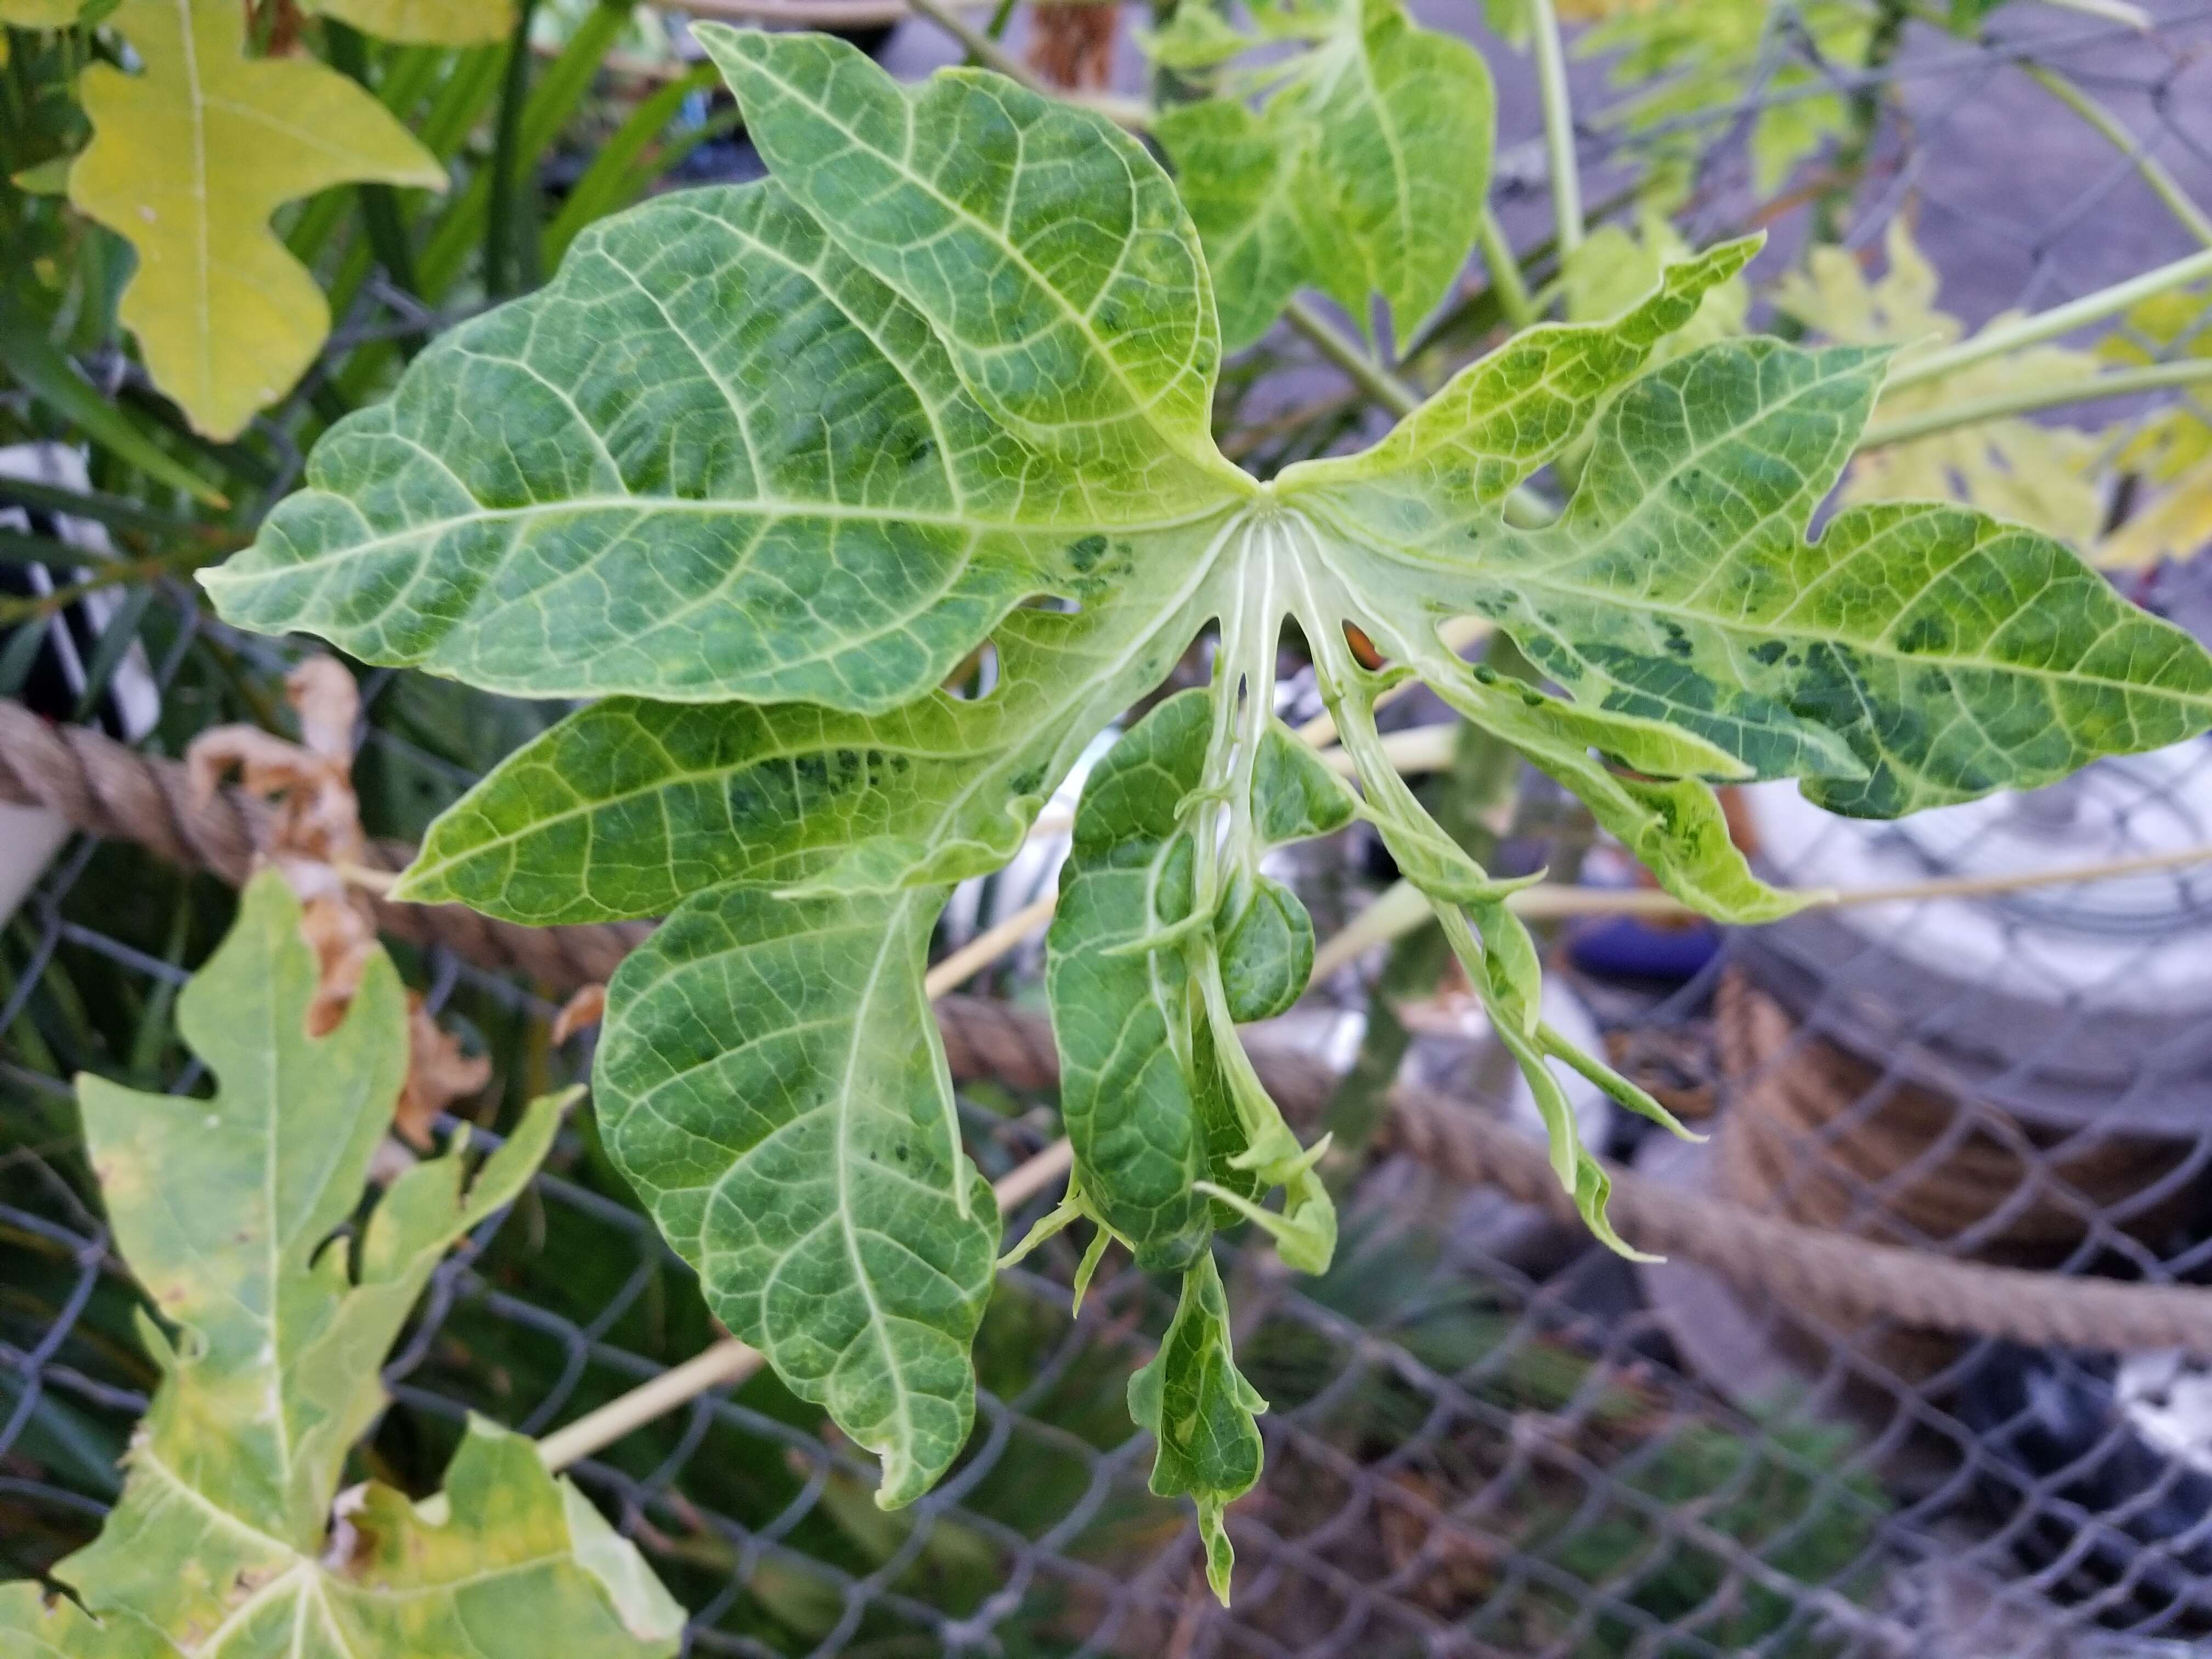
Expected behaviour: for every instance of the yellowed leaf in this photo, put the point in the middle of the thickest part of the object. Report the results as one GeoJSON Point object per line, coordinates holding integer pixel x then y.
{"type": "Point", "coordinates": [2172, 448]}
{"type": "Point", "coordinates": [40, 14]}
{"type": "Point", "coordinates": [188, 160]}
{"type": "Point", "coordinates": [423, 23]}
{"type": "Point", "coordinates": [2049, 476]}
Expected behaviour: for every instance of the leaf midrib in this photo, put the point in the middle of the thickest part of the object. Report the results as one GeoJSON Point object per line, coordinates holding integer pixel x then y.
{"type": "Point", "coordinates": [1205, 455]}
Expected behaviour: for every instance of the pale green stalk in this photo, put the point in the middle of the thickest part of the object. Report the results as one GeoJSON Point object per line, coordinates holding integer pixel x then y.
{"type": "Point", "coordinates": [2163, 183]}
{"type": "Point", "coordinates": [1504, 271]}
{"type": "Point", "coordinates": [1376, 381]}
{"type": "Point", "coordinates": [2049, 325]}
{"type": "Point", "coordinates": [2156, 377]}
{"type": "Point", "coordinates": [1558, 125]}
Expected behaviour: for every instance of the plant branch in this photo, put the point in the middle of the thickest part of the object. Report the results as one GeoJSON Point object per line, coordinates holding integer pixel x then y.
{"type": "Point", "coordinates": [981, 48]}
{"type": "Point", "coordinates": [2027, 400]}
{"type": "Point", "coordinates": [1505, 278]}
{"type": "Point", "coordinates": [2049, 325]}
{"type": "Point", "coordinates": [2163, 183]}
{"type": "Point", "coordinates": [733, 1361]}
{"type": "Point", "coordinates": [1372, 377]}
{"type": "Point", "coordinates": [1558, 125]}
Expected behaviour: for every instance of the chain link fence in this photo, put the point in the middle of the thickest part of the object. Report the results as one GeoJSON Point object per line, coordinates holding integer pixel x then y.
{"type": "Point", "coordinates": [1488, 1436]}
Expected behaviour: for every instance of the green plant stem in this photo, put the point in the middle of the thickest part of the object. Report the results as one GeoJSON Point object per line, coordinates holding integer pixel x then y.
{"type": "Point", "coordinates": [2163, 183]}
{"type": "Point", "coordinates": [1558, 125]}
{"type": "Point", "coordinates": [2156, 377]}
{"type": "Point", "coordinates": [1505, 278]}
{"type": "Point", "coordinates": [2049, 325]}
{"type": "Point", "coordinates": [981, 48]}
{"type": "Point", "coordinates": [380, 203]}
{"type": "Point", "coordinates": [502, 227]}
{"type": "Point", "coordinates": [1376, 381]}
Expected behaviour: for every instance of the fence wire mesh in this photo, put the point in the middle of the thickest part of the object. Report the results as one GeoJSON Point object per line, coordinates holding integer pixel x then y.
{"type": "Point", "coordinates": [1488, 1436]}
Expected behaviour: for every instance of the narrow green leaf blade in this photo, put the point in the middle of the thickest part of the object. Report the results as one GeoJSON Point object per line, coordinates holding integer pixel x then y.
{"type": "Point", "coordinates": [1200, 1411]}
{"type": "Point", "coordinates": [771, 1080]}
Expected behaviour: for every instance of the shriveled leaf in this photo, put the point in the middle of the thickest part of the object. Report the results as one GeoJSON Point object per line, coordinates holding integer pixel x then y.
{"type": "Point", "coordinates": [2039, 474]}
{"type": "Point", "coordinates": [188, 159]}
{"type": "Point", "coordinates": [424, 22]}
{"type": "Point", "coordinates": [1363, 172]}
{"type": "Point", "coordinates": [771, 1079]}
{"type": "Point", "coordinates": [225, 1209]}
{"type": "Point", "coordinates": [1200, 1410]}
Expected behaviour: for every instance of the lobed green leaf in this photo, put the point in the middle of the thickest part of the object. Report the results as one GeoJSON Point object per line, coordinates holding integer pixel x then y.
{"type": "Point", "coordinates": [771, 1080]}
{"type": "Point", "coordinates": [225, 1209]}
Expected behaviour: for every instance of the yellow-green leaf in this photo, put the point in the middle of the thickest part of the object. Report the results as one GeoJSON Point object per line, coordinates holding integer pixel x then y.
{"type": "Point", "coordinates": [224, 1208]}
{"type": "Point", "coordinates": [2043, 476]}
{"type": "Point", "coordinates": [188, 160]}
{"type": "Point", "coordinates": [423, 23]}
{"type": "Point", "coordinates": [40, 14]}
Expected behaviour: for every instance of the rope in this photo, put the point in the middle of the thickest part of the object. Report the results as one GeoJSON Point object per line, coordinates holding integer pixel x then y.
{"type": "Point", "coordinates": [107, 789]}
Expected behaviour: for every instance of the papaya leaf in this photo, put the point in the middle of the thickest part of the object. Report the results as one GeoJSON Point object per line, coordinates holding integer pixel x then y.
{"type": "Point", "coordinates": [715, 458]}
{"type": "Point", "coordinates": [1143, 1089]}
{"type": "Point", "coordinates": [188, 159]}
{"type": "Point", "coordinates": [1685, 62]}
{"type": "Point", "coordinates": [2172, 448]}
{"type": "Point", "coordinates": [766, 465]}
{"type": "Point", "coordinates": [1363, 172]}
{"type": "Point", "coordinates": [2036, 474]}
{"type": "Point", "coordinates": [228, 1211]}
{"type": "Point", "coordinates": [771, 1080]}
{"type": "Point", "coordinates": [1200, 1411]}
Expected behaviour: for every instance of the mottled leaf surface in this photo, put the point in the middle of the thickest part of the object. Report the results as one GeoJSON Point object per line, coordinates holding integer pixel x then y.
{"type": "Point", "coordinates": [188, 159]}
{"type": "Point", "coordinates": [771, 1080]}
{"type": "Point", "coordinates": [1913, 654]}
{"type": "Point", "coordinates": [225, 1210]}
{"type": "Point", "coordinates": [768, 465]}
{"type": "Point", "coordinates": [1200, 1410]}
{"type": "Point", "coordinates": [1362, 172]}
{"type": "Point", "coordinates": [628, 807]}
{"type": "Point", "coordinates": [715, 458]}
